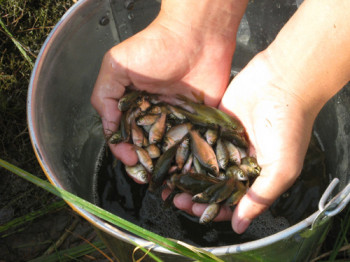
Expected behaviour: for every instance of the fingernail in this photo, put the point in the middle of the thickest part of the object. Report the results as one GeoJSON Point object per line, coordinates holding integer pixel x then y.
{"type": "Point", "coordinates": [242, 225]}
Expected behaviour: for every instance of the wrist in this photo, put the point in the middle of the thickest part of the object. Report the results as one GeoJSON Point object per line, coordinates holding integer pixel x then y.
{"type": "Point", "coordinates": [203, 21]}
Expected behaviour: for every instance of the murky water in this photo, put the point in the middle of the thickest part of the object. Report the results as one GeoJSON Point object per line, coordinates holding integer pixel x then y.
{"type": "Point", "coordinates": [117, 193]}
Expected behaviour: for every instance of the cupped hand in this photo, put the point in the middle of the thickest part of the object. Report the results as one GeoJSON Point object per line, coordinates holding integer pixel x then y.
{"type": "Point", "coordinates": [278, 123]}
{"type": "Point", "coordinates": [161, 59]}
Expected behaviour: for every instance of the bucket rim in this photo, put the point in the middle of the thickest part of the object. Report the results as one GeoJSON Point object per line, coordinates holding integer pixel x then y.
{"type": "Point", "coordinates": [97, 222]}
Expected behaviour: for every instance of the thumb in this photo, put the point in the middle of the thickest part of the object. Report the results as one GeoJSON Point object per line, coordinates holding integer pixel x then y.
{"type": "Point", "coordinates": [263, 192]}
{"type": "Point", "coordinates": [108, 89]}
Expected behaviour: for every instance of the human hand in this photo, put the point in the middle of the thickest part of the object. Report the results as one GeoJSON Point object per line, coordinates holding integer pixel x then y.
{"type": "Point", "coordinates": [277, 98]}
{"type": "Point", "coordinates": [279, 128]}
{"type": "Point", "coordinates": [181, 52]}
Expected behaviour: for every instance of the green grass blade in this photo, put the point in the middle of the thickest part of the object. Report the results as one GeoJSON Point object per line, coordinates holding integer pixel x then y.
{"type": "Point", "coordinates": [18, 44]}
{"type": "Point", "coordinates": [177, 247]}
{"type": "Point", "coordinates": [341, 238]}
{"type": "Point", "coordinates": [74, 252]}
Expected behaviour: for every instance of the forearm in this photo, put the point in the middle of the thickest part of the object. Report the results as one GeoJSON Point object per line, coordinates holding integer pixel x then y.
{"type": "Point", "coordinates": [312, 51]}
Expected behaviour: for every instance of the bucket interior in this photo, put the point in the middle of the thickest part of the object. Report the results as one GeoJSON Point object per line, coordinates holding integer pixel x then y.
{"type": "Point", "coordinates": [67, 134]}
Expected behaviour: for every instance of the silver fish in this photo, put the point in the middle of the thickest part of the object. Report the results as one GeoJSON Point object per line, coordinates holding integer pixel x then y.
{"type": "Point", "coordinates": [187, 166]}
{"type": "Point", "coordinates": [144, 158]}
{"type": "Point", "coordinates": [233, 152]}
{"type": "Point", "coordinates": [209, 213]}
{"type": "Point", "coordinates": [175, 134]}
{"type": "Point", "coordinates": [222, 154]}
{"type": "Point", "coordinates": [176, 112]}
{"type": "Point", "coordinates": [136, 134]}
{"type": "Point", "coordinates": [211, 135]}
{"type": "Point", "coordinates": [182, 153]}
{"type": "Point", "coordinates": [144, 104]}
{"type": "Point", "coordinates": [155, 110]}
{"type": "Point", "coordinates": [157, 130]}
{"type": "Point", "coordinates": [153, 151]}
{"type": "Point", "coordinates": [198, 167]}
{"type": "Point", "coordinates": [138, 172]}
{"type": "Point", "coordinates": [147, 120]}
{"type": "Point", "coordinates": [204, 152]}
{"type": "Point", "coordinates": [236, 172]}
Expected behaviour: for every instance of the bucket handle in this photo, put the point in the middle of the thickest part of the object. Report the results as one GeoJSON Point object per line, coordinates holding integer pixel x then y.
{"type": "Point", "coordinates": [335, 205]}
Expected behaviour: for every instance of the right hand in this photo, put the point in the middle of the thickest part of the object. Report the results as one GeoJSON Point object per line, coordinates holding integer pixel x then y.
{"type": "Point", "coordinates": [168, 57]}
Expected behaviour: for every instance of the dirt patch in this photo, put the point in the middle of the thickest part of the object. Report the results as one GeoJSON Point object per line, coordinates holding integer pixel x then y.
{"type": "Point", "coordinates": [29, 22]}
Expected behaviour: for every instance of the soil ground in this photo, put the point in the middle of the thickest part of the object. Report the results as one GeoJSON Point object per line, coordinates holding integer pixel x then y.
{"type": "Point", "coordinates": [30, 21]}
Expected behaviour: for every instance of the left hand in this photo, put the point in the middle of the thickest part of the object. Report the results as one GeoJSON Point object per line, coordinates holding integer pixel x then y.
{"type": "Point", "coordinates": [278, 124]}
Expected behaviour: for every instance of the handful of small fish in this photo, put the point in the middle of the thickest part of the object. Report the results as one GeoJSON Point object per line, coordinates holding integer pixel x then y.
{"type": "Point", "coordinates": [191, 147]}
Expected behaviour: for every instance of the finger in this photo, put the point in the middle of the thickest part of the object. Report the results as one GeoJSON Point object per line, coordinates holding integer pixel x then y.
{"type": "Point", "coordinates": [165, 193]}
{"type": "Point", "coordinates": [184, 202]}
{"type": "Point", "coordinates": [125, 153]}
{"type": "Point", "coordinates": [264, 191]}
{"type": "Point", "coordinates": [109, 88]}
{"type": "Point", "coordinates": [224, 214]}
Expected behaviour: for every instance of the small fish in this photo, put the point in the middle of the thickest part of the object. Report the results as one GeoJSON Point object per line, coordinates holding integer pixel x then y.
{"type": "Point", "coordinates": [211, 135]}
{"type": "Point", "coordinates": [147, 128]}
{"type": "Point", "coordinates": [214, 115]}
{"type": "Point", "coordinates": [243, 152]}
{"type": "Point", "coordinates": [199, 120]}
{"type": "Point", "coordinates": [238, 192]}
{"type": "Point", "coordinates": [147, 120]}
{"type": "Point", "coordinates": [209, 213]}
{"type": "Point", "coordinates": [173, 169]}
{"type": "Point", "coordinates": [154, 99]}
{"type": "Point", "coordinates": [138, 172]}
{"type": "Point", "coordinates": [175, 134]}
{"type": "Point", "coordinates": [153, 151]}
{"type": "Point", "coordinates": [155, 110]}
{"type": "Point", "coordinates": [157, 130]}
{"type": "Point", "coordinates": [222, 175]}
{"type": "Point", "coordinates": [201, 197]}
{"type": "Point", "coordinates": [128, 100]}
{"type": "Point", "coordinates": [233, 152]}
{"type": "Point", "coordinates": [204, 152]}
{"type": "Point", "coordinates": [161, 168]}
{"type": "Point", "coordinates": [213, 193]}
{"type": "Point", "coordinates": [182, 153]}
{"type": "Point", "coordinates": [176, 112]}
{"type": "Point", "coordinates": [168, 126]}
{"type": "Point", "coordinates": [144, 158]}
{"type": "Point", "coordinates": [237, 138]}
{"type": "Point", "coordinates": [136, 134]}
{"type": "Point", "coordinates": [198, 167]}
{"type": "Point", "coordinates": [224, 191]}
{"type": "Point", "coordinates": [188, 164]}
{"type": "Point", "coordinates": [236, 172]}
{"type": "Point", "coordinates": [144, 104]}
{"type": "Point", "coordinates": [250, 166]}
{"type": "Point", "coordinates": [116, 138]}
{"type": "Point", "coordinates": [222, 154]}
{"type": "Point", "coordinates": [145, 141]}
{"type": "Point", "coordinates": [125, 125]}
{"type": "Point", "coordinates": [192, 183]}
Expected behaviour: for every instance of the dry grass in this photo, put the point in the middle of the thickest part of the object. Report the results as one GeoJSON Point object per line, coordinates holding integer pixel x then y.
{"type": "Point", "coordinates": [27, 24]}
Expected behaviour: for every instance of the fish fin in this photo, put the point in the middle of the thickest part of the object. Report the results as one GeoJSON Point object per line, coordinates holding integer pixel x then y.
{"type": "Point", "coordinates": [198, 96]}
